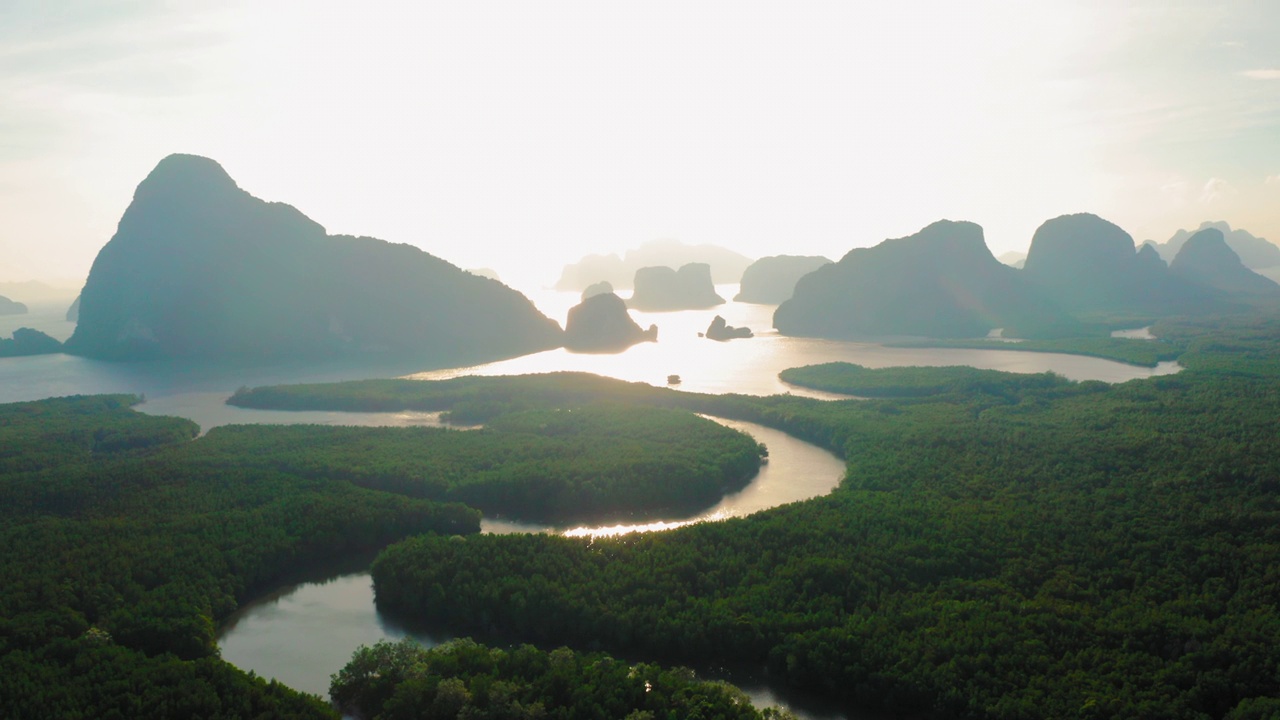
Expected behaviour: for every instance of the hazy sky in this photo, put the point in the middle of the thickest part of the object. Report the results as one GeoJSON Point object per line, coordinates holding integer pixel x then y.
{"type": "Point", "coordinates": [521, 135]}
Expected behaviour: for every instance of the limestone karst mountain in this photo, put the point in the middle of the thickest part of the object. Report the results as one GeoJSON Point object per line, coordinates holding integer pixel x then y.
{"type": "Point", "coordinates": [26, 341]}
{"type": "Point", "coordinates": [1088, 265]}
{"type": "Point", "coordinates": [601, 323]}
{"type": "Point", "coordinates": [1254, 252]}
{"type": "Point", "coordinates": [771, 280]}
{"type": "Point", "coordinates": [726, 265]}
{"type": "Point", "coordinates": [661, 288]}
{"type": "Point", "coordinates": [199, 267]}
{"type": "Point", "coordinates": [721, 330]}
{"type": "Point", "coordinates": [1013, 258]}
{"type": "Point", "coordinates": [11, 307]}
{"type": "Point", "coordinates": [601, 288]}
{"type": "Point", "coordinates": [940, 282]}
{"type": "Point", "coordinates": [1205, 258]}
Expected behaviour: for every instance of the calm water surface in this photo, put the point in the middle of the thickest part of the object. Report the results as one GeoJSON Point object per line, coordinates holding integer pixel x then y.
{"type": "Point", "coordinates": [751, 366]}
{"type": "Point", "coordinates": [302, 634]}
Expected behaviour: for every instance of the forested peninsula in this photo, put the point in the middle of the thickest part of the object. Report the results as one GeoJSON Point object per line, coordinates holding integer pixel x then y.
{"type": "Point", "coordinates": [463, 679]}
{"type": "Point", "coordinates": [1019, 549]}
{"type": "Point", "coordinates": [1002, 546]}
{"type": "Point", "coordinates": [130, 538]}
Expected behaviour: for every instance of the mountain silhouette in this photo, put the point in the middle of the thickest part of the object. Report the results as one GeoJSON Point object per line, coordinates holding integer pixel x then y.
{"type": "Point", "coordinates": [601, 323]}
{"type": "Point", "coordinates": [662, 288]}
{"type": "Point", "coordinates": [940, 282]}
{"type": "Point", "coordinates": [1205, 258]}
{"type": "Point", "coordinates": [1089, 265]}
{"type": "Point", "coordinates": [1254, 252]}
{"type": "Point", "coordinates": [726, 265]}
{"type": "Point", "coordinates": [11, 307]}
{"type": "Point", "coordinates": [771, 280]}
{"type": "Point", "coordinates": [199, 267]}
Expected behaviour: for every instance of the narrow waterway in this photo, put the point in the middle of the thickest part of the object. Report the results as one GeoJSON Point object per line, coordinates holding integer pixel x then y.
{"type": "Point", "coordinates": [303, 633]}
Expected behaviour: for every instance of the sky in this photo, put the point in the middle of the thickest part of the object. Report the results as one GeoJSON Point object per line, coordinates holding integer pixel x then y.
{"type": "Point", "coordinates": [520, 136]}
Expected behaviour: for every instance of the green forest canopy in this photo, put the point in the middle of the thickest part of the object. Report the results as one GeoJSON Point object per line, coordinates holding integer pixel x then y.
{"type": "Point", "coordinates": [1004, 550]}
{"type": "Point", "coordinates": [998, 549]}
{"type": "Point", "coordinates": [130, 539]}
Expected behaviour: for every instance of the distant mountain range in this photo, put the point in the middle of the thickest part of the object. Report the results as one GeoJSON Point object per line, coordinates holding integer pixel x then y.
{"type": "Point", "coordinates": [1088, 265]}
{"type": "Point", "coordinates": [940, 282]}
{"type": "Point", "coordinates": [1080, 272]}
{"type": "Point", "coordinates": [661, 288]}
{"type": "Point", "coordinates": [726, 265]}
{"type": "Point", "coordinates": [1255, 253]}
{"type": "Point", "coordinates": [199, 267]}
{"type": "Point", "coordinates": [1206, 259]}
{"type": "Point", "coordinates": [11, 307]}
{"type": "Point", "coordinates": [772, 280]}
{"type": "Point", "coordinates": [34, 292]}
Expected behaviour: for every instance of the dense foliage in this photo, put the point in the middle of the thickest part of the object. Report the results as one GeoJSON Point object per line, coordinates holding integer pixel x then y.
{"type": "Point", "coordinates": [129, 540]}
{"type": "Point", "coordinates": [595, 463]}
{"type": "Point", "coordinates": [122, 552]}
{"type": "Point", "coordinates": [462, 679]}
{"type": "Point", "coordinates": [1003, 546]}
{"type": "Point", "coordinates": [470, 399]}
{"type": "Point", "coordinates": [850, 379]}
{"type": "Point", "coordinates": [1147, 353]}
{"type": "Point", "coordinates": [1004, 550]}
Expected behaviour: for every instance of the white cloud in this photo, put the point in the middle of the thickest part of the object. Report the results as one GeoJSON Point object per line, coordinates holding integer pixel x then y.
{"type": "Point", "coordinates": [1272, 179]}
{"type": "Point", "coordinates": [1263, 74]}
{"type": "Point", "coordinates": [1216, 189]}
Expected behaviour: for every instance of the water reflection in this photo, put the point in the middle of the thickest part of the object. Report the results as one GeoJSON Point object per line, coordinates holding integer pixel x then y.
{"type": "Point", "coordinates": [796, 471]}
{"type": "Point", "coordinates": [751, 366]}
{"type": "Point", "coordinates": [305, 632]}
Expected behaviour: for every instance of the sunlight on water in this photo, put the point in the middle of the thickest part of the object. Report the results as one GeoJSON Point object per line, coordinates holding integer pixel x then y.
{"type": "Point", "coordinates": [795, 471]}
{"type": "Point", "coordinates": [615, 530]}
{"type": "Point", "coordinates": [750, 366]}
{"type": "Point", "coordinates": [302, 634]}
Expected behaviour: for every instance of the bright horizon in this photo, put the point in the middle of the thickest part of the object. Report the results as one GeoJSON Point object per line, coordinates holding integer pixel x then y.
{"type": "Point", "coordinates": [522, 136]}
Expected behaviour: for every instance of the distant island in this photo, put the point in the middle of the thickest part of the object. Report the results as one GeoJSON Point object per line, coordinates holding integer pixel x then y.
{"type": "Point", "coordinates": [727, 266]}
{"type": "Point", "coordinates": [1205, 258]}
{"type": "Point", "coordinates": [662, 288]}
{"type": "Point", "coordinates": [201, 268]}
{"type": "Point", "coordinates": [26, 341]}
{"type": "Point", "coordinates": [772, 280]}
{"type": "Point", "coordinates": [600, 323]}
{"type": "Point", "coordinates": [600, 288]}
{"type": "Point", "coordinates": [1255, 253]}
{"type": "Point", "coordinates": [721, 330]}
{"type": "Point", "coordinates": [11, 307]}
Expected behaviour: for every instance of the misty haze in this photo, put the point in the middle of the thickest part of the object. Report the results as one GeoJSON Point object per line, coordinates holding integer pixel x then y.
{"type": "Point", "coordinates": [640, 360]}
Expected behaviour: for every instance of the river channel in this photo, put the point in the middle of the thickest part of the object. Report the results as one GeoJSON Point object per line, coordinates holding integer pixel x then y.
{"type": "Point", "coordinates": [303, 633]}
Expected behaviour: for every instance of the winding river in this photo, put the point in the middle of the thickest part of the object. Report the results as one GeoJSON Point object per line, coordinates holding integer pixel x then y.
{"type": "Point", "coordinates": [303, 633]}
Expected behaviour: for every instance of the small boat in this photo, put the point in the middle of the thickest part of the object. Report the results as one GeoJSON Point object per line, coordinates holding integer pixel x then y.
{"type": "Point", "coordinates": [673, 379]}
